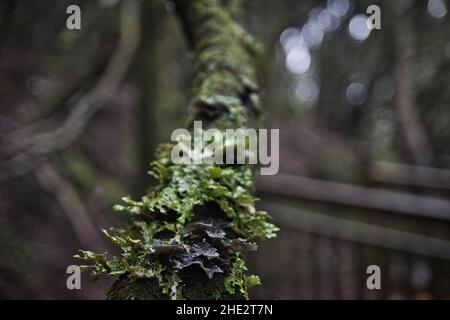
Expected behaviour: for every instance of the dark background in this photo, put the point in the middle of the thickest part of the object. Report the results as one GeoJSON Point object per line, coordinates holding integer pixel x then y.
{"type": "Point", "coordinates": [364, 140]}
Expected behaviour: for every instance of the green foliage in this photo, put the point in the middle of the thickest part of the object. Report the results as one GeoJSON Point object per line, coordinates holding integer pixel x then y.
{"type": "Point", "coordinates": [238, 279]}
{"type": "Point", "coordinates": [138, 259]}
{"type": "Point", "coordinates": [170, 209]}
{"type": "Point", "coordinates": [185, 187]}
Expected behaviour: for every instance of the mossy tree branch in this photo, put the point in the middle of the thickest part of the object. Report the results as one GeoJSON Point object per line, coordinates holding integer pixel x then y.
{"type": "Point", "coordinates": [225, 77]}
{"type": "Point", "coordinates": [188, 234]}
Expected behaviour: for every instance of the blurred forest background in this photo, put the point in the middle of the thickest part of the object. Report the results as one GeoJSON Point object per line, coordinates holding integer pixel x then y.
{"type": "Point", "coordinates": [364, 118]}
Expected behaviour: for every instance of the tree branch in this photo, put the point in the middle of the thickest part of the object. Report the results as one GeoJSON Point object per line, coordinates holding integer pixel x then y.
{"type": "Point", "coordinates": [44, 145]}
{"type": "Point", "coordinates": [204, 215]}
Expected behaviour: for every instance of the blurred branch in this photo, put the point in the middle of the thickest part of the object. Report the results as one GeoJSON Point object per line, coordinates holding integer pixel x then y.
{"type": "Point", "coordinates": [48, 143]}
{"type": "Point", "coordinates": [354, 196]}
{"type": "Point", "coordinates": [72, 87]}
{"type": "Point", "coordinates": [62, 190]}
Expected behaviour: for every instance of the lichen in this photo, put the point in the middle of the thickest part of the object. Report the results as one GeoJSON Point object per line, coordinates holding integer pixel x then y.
{"type": "Point", "coordinates": [187, 236]}
{"type": "Point", "coordinates": [172, 228]}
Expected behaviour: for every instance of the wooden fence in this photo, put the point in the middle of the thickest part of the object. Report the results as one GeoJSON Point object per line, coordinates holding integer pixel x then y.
{"type": "Point", "coordinates": [331, 232]}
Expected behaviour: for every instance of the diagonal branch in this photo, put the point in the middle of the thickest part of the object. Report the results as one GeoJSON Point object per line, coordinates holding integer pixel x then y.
{"type": "Point", "coordinates": [44, 145]}
{"type": "Point", "coordinates": [188, 234]}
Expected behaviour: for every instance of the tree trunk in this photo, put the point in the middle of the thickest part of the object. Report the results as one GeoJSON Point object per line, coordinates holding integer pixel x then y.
{"type": "Point", "coordinates": [411, 130]}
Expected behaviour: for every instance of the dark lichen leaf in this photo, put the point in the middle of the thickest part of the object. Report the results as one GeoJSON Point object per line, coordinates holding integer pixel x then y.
{"type": "Point", "coordinates": [209, 269]}
{"type": "Point", "coordinates": [242, 245]}
{"type": "Point", "coordinates": [204, 249]}
{"type": "Point", "coordinates": [164, 247]}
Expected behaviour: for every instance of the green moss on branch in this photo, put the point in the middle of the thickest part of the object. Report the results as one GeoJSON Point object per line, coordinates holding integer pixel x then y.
{"type": "Point", "coordinates": [187, 235]}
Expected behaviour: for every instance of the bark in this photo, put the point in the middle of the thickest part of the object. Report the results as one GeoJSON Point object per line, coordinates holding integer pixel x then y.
{"type": "Point", "coordinates": [224, 55]}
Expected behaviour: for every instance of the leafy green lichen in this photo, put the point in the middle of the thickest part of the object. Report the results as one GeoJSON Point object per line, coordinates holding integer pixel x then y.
{"type": "Point", "coordinates": [238, 279]}
{"type": "Point", "coordinates": [187, 235]}
{"type": "Point", "coordinates": [163, 238]}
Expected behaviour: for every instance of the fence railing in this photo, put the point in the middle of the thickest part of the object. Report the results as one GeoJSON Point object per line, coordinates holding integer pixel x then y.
{"type": "Point", "coordinates": [331, 232]}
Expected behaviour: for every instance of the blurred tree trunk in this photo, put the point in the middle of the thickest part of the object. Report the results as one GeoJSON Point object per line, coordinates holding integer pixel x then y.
{"type": "Point", "coordinates": [148, 78]}
{"type": "Point", "coordinates": [411, 130]}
